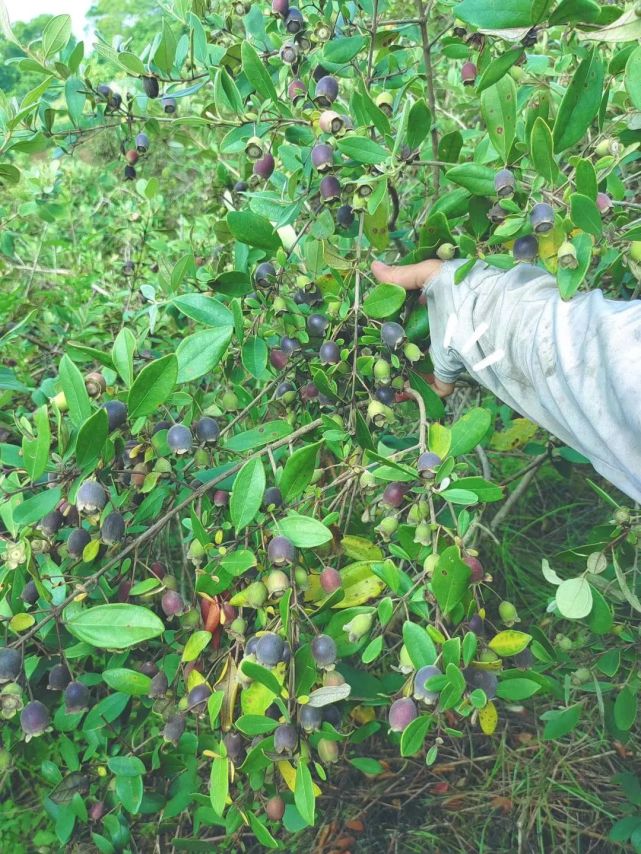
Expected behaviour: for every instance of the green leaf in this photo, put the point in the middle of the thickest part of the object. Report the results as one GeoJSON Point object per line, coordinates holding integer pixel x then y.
{"type": "Point", "coordinates": [35, 452]}
{"type": "Point", "coordinates": [450, 580]}
{"type": "Point", "coordinates": [342, 50]}
{"type": "Point", "coordinates": [195, 645]}
{"type": "Point", "coordinates": [219, 784]}
{"type": "Point", "coordinates": [483, 489]}
{"type": "Point", "coordinates": [585, 214]}
{"type": "Point", "coordinates": [247, 494]}
{"type": "Point", "coordinates": [362, 149]}
{"type": "Point", "coordinates": [91, 438]}
{"type": "Point", "coordinates": [33, 509]}
{"type": "Point", "coordinates": [238, 562]}
{"type": "Point", "coordinates": [56, 34]}
{"type": "Point", "coordinates": [129, 791]}
{"type": "Point", "coordinates": [259, 830]}
{"type": "Point", "coordinates": [75, 97]}
{"type": "Point", "coordinates": [420, 646]}
{"type": "Point", "coordinates": [498, 107]}
{"type": "Point", "coordinates": [201, 352]}
{"type": "Point", "coordinates": [298, 471]}
{"type": "Point", "coordinates": [269, 432]}
{"type": "Point", "coordinates": [166, 50]}
{"type": "Point", "coordinates": [152, 386]}
{"type": "Point", "coordinates": [262, 675]}
{"type": "Point", "coordinates": [497, 14]}
{"type": "Point", "coordinates": [115, 626]}
{"type": "Point", "coordinates": [122, 355]}
{"type": "Point", "coordinates": [468, 431]}
{"type": "Point", "coordinates": [304, 793]}
{"type": "Point", "coordinates": [253, 229]}
{"type": "Point", "coordinates": [419, 123]}
{"type": "Point", "coordinates": [474, 177]}
{"type": "Point", "coordinates": [573, 11]}
{"type": "Point", "coordinates": [542, 151]}
{"type": "Point", "coordinates": [515, 690]}
{"type": "Point", "coordinates": [570, 280]}
{"type": "Point", "coordinates": [254, 356]}
{"type": "Point", "coordinates": [574, 598]}
{"type": "Point", "coordinates": [561, 722]}
{"type": "Point", "coordinates": [256, 73]}
{"type": "Point", "coordinates": [73, 386]}
{"type": "Point", "coordinates": [204, 309]}
{"type": "Point", "coordinates": [255, 724]}
{"type": "Point", "coordinates": [127, 681]}
{"type": "Point", "coordinates": [383, 301]}
{"type": "Point", "coordinates": [433, 404]}
{"type": "Point", "coordinates": [414, 734]}
{"type": "Point", "coordinates": [580, 103]}
{"type": "Point", "coordinates": [126, 766]}
{"type": "Point", "coordinates": [303, 531]}
{"type": "Point", "coordinates": [499, 66]}
{"type": "Point", "coordinates": [625, 708]}
{"type": "Point", "coordinates": [585, 178]}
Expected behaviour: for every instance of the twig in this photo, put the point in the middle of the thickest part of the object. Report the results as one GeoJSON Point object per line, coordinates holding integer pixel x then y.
{"type": "Point", "coordinates": [518, 492]}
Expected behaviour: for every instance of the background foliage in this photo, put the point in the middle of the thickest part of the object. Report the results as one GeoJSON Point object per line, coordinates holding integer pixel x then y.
{"type": "Point", "coordinates": [183, 275]}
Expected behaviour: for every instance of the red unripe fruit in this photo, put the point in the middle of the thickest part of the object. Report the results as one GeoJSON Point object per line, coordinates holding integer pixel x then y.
{"type": "Point", "coordinates": [264, 167]}
{"type": "Point", "coordinates": [308, 392]}
{"type": "Point", "coordinates": [221, 498]}
{"type": "Point", "coordinates": [603, 202]}
{"type": "Point", "coordinates": [468, 73]}
{"type": "Point", "coordinates": [330, 188]}
{"type": "Point", "coordinates": [476, 566]}
{"type": "Point", "coordinates": [172, 603]}
{"type": "Point", "coordinates": [280, 7]}
{"type": "Point", "coordinates": [132, 156]}
{"type": "Point", "coordinates": [96, 811]}
{"type": "Point", "coordinates": [394, 494]}
{"type": "Point", "coordinates": [297, 91]}
{"type": "Point", "coordinates": [275, 808]}
{"type": "Point", "coordinates": [401, 714]}
{"type": "Point", "coordinates": [123, 591]}
{"type": "Point", "coordinates": [330, 579]}
{"type": "Point", "coordinates": [278, 359]}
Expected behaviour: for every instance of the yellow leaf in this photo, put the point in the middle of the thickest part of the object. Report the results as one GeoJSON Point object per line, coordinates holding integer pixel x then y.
{"type": "Point", "coordinates": [228, 682]}
{"type": "Point", "coordinates": [520, 431]}
{"type": "Point", "coordinates": [360, 584]}
{"type": "Point", "coordinates": [549, 246]}
{"type": "Point", "coordinates": [90, 551]}
{"type": "Point", "coordinates": [488, 718]}
{"type": "Point", "coordinates": [288, 773]}
{"type": "Point", "coordinates": [509, 642]}
{"type": "Point", "coordinates": [362, 714]}
{"type": "Point", "coordinates": [440, 439]}
{"type": "Point", "coordinates": [358, 548]}
{"type": "Point", "coordinates": [21, 622]}
{"type": "Point", "coordinates": [497, 664]}
{"type": "Point", "coordinates": [194, 678]}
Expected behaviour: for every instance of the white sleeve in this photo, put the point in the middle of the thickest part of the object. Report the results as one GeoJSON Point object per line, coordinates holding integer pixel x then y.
{"type": "Point", "coordinates": [573, 367]}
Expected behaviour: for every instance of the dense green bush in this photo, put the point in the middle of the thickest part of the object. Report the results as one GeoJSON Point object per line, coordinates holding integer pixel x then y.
{"type": "Point", "coordinates": [242, 538]}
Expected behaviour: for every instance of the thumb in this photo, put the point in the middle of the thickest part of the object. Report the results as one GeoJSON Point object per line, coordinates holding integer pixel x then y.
{"type": "Point", "coordinates": [411, 277]}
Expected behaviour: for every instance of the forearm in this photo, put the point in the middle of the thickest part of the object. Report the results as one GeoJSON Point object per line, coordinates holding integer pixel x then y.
{"type": "Point", "coordinates": [564, 365]}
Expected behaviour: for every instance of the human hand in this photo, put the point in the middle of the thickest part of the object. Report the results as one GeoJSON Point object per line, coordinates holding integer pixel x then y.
{"type": "Point", "coordinates": [413, 277]}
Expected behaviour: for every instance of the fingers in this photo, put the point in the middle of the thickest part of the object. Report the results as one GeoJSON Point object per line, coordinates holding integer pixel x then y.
{"type": "Point", "coordinates": [411, 277]}
{"type": "Point", "coordinates": [441, 388]}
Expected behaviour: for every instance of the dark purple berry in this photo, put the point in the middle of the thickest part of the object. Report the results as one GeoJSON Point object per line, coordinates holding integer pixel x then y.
{"type": "Point", "coordinates": [310, 719]}
{"type": "Point", "coordinates": [142, 143]}
{"type": "Point", "coordinates": [542, 218]}
{"type": "Point", "coordinates": [235, 745]}
{"type": "Point", "coordinates": [197, 698]}
{"type": "Point", "coordinates": [159, 686]}
{"type": "Point", "coordinates": [345, 216]}
{"type": "Point", "coordinates": [427, 464]}
{"type": "Point", "coordinates": [264, 167]}
{"type": "Point", "coordinates": [504, 183]}
{"type": "Point", "coordinates": [323, 649]}
{"type": "Point", "coordinates": [29, 593]}
{"type": "Point", "coordinates": [78, 540]}
{"type": "Point", "coordinates": [385, 394]}
{"type": "Point", "coordinates": [421, 691]}
{"type": "Point", "coordinates": [264, 274]}
{"type": "Point", "coordinates": [272, 497]}
{"type": "Point", "coordinates": [169, 104]}
{"type": "Point", "coordinates": [173, 729]}
{"type": "Point", "coordinates": [294, 21]}
{"type": "Point", "coordinates": [116, 414]}
{"type": "Point", "coordinates": [151, 86]}
{"type": "Point", "coordinates": [326, 91]}
{"type": "Point", "coordinates": [401, 714]}
{"type": "Point", "coordinates": [285, 738]}
{"type": "Point", "coordinates": [330, 188]}
{"type": "Point", "coordinates": [91, 497]}
{"type": "Point", "coordinates": [179, 439]}
{"type": "Point", "coordinates": [59, 677]}
{"type": "Point", "coordinates": [289, 345]}
{"type": "Point", "coordinates": [322, 156]}
{"type": "Point", "coordinates": [483, 679]}
{"type": "Point", "coordinates": [51, 523]}
{"type": "Point", "coordinates": [10, 664]}
{"type": "Point", "coordinates": [281, 551]}
{"type": "Point", "coordinates": [269, 649]}
{"type": "Point", "coordinates": [76, 697]}
{"type": "Point", "coordinates": [34, 719]}
{"type": "Point", "coordinates": [113, 529]}
{"type": "Point", "coordinates": [207, 430]}
{"type": "Point", "coordinates": [317, 324]}
{"type": "Point", "coordinates": [392, 334]}
{"type": "Point", "coordinates": [525, 248]}
{"type": "Point", "coordinates": [394, 494]}
{"type": "Point", "coordinates": [329, 353]}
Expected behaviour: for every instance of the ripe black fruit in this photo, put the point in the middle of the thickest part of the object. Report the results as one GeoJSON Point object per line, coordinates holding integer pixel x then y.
{"type": "Point", "coordinates": [142, 143]}
{"type": "Point", "coordinates": [285, 738]}
{"type": "Point", "coordinates": [525, 248]}
{"type": "Point", "coordinates": [113, 529]}
{"type": "Point", "coordinates": [345, 216]}
{"type": "Point", "coordinates": [281, 551]}
{"type": "Point", "coordinates": [207, 430]}
{"type": "Point", "coordinates": [264, 167]}
{"type": "Point", "coordinates": [542, 218]}
{"type": "Point", "coordinates": [427, 464]}
{"type": "Point", "coordinates": [235, 745]}
{"type": "Point", "coordinates": [294, 21]}
{"type": "Point", "coordinates": [264, 274]}
{"type": "Point", "coordinates": [317, 324]}
{"type": "Point", "coordinates": [78, 539]}
{"type": "Point", "coordinates": [392, 334]}
{"type": "Point", "coordinates": [197, 698]}
{"type": "Point", "coordinates": [29, 593]}
{"type": "Point", "coordinates": [159, 686]}
{"type": "Point", "coordinates": [129, 173]}
{"type": "Point", "coordinates": [91, 497]}
{"type": "Point", "coordinates": [151, 86]}
{"type": "Point", "coordinates": [322, 156]}
{"type": "Point", "coordinates": [169, 104]}
{"type": "Point", "coordinates": [51, 523]}
{"type": "Point", "coordinates": [504, 183]}
{"type": "Point", "coordinates": [326, 91]}
{"type": "Point", "coordinates": [173, 729]}
{"type": "Point", "coordinates": [310, 718]}
{"type": "Point", "coordinates": [289, 345]}
{"type": "Point", "coordinates": [330, 189]}
{"type": "Point", "coordinates": [269, 649]}
{"type": "Point", "coordinates": [116, 413]}
{"type": "Point", "coordinates": [323, 650]}
{"type": "Point", "coordinates": [179, 439]}
{"type": "Point", "coordinates": [34, 718]}
{"type": "Point", "coordinates": [330, 353]}
{"type": "Point", "coordinates": [385, 394]}
{"type": "Point", "coordinates": [272, 497]}
{"type": "Point", "coordinates": [59, 677]}
{"type": "Point", "coordinates": [76, 697]}
{"type": "Point", "coordinates": [10, 664]}
{"type": "Point", "coordinates": [289, 55]}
